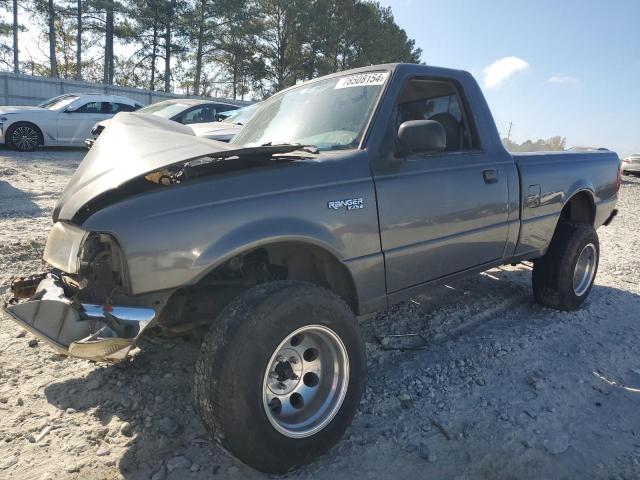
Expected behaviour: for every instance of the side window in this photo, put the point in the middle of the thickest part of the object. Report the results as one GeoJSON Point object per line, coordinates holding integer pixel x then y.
{"type": "Point", "coordinates": [123, 107]}
{"type": "Point", "coordinates": [423, 99]}
{"type": "Point", "coordinates": [223, 111]}
{"type": "Point", "coordinates": [202, 114]}
{"type": "Point", "coordinates": [105, 108]}
{"type": "Point", "coordinates": [108, 108]}
{"type": "Point", "coordinates": [91, 107]}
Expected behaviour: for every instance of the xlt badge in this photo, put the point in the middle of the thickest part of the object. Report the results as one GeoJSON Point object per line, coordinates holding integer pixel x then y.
{"type": "Point", "coordinates": [349, 204]}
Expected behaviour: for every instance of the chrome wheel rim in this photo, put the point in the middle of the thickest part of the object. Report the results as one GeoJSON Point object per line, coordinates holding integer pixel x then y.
{"type": "Point", "coordinates": [24, 138]}
{"type": "Point", "coordinates": [305, 381]}
{"type": "Point", "coordinates": [585, 269]}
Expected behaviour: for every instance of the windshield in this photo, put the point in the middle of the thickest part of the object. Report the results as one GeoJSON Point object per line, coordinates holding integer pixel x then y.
{"type": "Point", "coordinates": [58, 102]}
{"type": "Point", "coordinates": [330, 114]}
{"type": "Point", "coordinates": [241, 115]}
{"type": "Point", "coordinates": [165, 109]}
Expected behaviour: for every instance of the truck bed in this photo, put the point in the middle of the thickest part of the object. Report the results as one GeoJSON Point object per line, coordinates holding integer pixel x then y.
{"type": "Point", "coordinates": [548, 180]}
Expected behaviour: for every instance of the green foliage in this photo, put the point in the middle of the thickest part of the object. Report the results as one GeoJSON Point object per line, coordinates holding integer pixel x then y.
{"type": "Point", "coordinates": [301, 39]}
{"type": "Point", "coordinates": [6, 54]}
{"type": "Point", "coordinates": [551, 144]}
{"type": "Point", "coordinates": [233, 48]}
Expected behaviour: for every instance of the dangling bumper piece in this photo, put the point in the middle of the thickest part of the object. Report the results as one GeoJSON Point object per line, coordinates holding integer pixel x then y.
{"type": "Point", "coordinates": [94, 332]}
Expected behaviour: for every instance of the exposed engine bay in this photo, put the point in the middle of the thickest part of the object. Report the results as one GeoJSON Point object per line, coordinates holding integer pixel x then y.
{"type": "Point", "coordinates": [102, 269]}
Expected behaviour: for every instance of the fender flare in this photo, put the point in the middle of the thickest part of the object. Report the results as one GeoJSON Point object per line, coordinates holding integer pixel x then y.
{"type": "Point", "coordinates": [578, 189]}
{"type": "Point", "coordinates": [261, 233]}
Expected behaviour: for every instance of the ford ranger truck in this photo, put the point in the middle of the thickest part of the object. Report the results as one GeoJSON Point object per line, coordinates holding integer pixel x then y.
{"type": "Point", "coordinates": [340, 197]}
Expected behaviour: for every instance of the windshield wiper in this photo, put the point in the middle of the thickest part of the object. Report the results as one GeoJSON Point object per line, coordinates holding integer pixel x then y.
{"type": "Point", "coordinates": [292, 147]}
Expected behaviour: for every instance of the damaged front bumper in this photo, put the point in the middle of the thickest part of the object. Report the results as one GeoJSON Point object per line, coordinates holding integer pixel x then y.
{"type": "Point", "coordinates": [94, 332]}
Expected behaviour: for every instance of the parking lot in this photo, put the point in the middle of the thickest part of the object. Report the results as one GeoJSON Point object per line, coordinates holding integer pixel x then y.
{"type": "Point", "coordinates": [502, 388]}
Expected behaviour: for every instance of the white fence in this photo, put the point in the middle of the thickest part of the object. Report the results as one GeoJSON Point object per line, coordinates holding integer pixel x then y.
{"type": "Point", "coordinates": [18, 89]}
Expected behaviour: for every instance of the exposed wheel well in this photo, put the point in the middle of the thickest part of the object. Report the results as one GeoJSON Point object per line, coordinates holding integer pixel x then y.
{"type": "Point", "coordinates": [200, 303]}
{"type": "Point", "coordinates": [579, 209]}
{"type": "Point", "coordinates": [309, 263]}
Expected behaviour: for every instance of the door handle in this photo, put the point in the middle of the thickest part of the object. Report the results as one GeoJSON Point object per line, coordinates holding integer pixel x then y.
{"type": "Point", "coordinates": [490, 176]}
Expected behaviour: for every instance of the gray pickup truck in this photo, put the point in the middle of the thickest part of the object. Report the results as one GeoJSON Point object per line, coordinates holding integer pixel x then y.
{"type": "Point", "coordinates": [340, 197]}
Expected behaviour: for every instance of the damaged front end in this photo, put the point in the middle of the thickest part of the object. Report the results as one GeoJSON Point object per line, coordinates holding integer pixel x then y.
{"type": "Point", "coordinates": [86, 306]}
{"type": "Point", "coordinates": [83, 330]}
{"type": "Point", "coordinates": [81, 307]}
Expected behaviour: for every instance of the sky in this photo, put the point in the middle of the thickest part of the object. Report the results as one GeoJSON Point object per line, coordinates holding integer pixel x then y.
{"type": "Point", "coordinates": [552, 67]}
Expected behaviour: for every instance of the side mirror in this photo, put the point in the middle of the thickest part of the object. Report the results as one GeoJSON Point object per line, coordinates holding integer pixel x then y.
{"type": "Point", "coordinates": [421, 136]}
{"type": "Point", "coordinates": [71, 109]}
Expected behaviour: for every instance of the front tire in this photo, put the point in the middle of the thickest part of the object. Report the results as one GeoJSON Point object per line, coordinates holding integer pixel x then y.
{"type": "Point", "coordinates": [280, 375]}
{"type": "Point", "coordinates": [563, 277]}
{"type": "Point", "coordinates": [24, 137]}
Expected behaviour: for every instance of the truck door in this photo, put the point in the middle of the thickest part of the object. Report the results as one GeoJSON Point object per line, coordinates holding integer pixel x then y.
{"type": "Point", "coordinates": [444, 212]}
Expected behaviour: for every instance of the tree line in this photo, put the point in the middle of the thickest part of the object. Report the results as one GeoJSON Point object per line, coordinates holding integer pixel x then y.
{"type": "Point", "coordinates": [551, 144]}
{"type": "Point", "coordinates": [201, 47]}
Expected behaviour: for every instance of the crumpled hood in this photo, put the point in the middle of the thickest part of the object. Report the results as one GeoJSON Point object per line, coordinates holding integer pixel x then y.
{"type": "Point", "coordinates": [133, 145]}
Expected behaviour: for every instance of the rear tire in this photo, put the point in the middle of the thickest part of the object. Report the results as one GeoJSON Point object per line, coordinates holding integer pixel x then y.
{"type": "Point", "coordinates": [24, 137]}
{"type": "Point", "coordinates": [563, 277]}
{"type": "Point", "coordinates": [270, 406]}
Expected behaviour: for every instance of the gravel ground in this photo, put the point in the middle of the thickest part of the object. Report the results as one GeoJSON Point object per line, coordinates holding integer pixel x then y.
{"type": "Point", "coordinates": [503, 389]}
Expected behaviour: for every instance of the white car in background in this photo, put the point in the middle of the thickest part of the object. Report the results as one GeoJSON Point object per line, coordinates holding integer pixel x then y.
{"type": "Point", "coordinates": [65, 120]}
{"type": "Point", "coordinates": [631, 165]}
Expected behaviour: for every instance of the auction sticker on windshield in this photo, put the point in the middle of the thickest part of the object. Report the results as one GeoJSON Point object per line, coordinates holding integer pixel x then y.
{"type": "Point", "coordinates": [361, 80]}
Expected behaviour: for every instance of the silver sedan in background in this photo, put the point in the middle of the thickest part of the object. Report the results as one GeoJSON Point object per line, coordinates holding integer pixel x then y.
{"type": "Point", "coordinates": [225, 130]}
